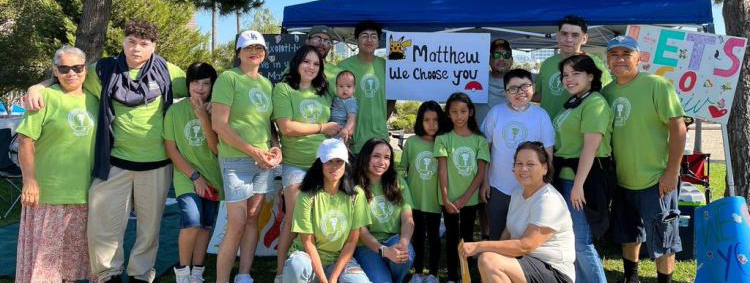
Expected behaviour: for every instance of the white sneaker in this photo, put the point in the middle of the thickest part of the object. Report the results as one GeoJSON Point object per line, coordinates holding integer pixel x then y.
{"type": "Point", "coordinates": [196, 275]}
{"type": "Point", "coordinates": [182, 275]}
{"type": "Point", "coordinates": [431, 279]}
{"type": "Point", "coordinates": [243, 278]}
{"type": "Point", "coordinates": [277, 279]}
{"type": "Point", "coordinates": [417, 278]}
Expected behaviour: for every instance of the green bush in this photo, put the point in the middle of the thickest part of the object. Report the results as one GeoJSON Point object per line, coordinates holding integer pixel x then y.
{"type": "Point", "coordinates": [405, 115]}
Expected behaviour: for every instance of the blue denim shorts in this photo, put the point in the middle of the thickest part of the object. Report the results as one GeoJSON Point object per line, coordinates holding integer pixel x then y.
{"type": "Point", "coordinates": [243, 178]}
{"type": "Point", "coordinates": [196, 211]}
{"type": "Point", "coordinates": [291, 175]}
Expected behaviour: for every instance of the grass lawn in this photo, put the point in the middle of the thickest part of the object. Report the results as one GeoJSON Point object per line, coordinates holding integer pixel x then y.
{"type": "Point", "coordinates": [264, 267]}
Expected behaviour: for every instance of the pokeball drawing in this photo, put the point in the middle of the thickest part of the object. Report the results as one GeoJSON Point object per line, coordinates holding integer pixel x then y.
{"type": "Point", "coordinates": [473, 85]}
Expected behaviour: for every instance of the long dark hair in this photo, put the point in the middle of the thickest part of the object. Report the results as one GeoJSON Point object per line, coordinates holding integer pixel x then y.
{"type": "Point", "coordinates": [462, 97]}
{"type": "Point", "coordinates": [538, 148]}
{"type": "Point", "coordinates": [434, 107]}
{"type": "Point", "coordinates": [583, 63]}
{"type": "Point", "coordinates": [292, 78]}
{"type": "Point", "coordinates": [313, 181]}
{"type": "Point", "coordinates": [389, 180]}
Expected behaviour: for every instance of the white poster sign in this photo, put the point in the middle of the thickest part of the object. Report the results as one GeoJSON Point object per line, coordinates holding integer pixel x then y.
{"type": "Point", "coordinates": [432, 66]}
{"type": "Point", "coordinates": [703, 67]}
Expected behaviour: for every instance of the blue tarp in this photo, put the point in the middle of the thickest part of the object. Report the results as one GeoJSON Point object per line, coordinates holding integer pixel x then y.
{"type": "Point", "coordinates": [441, 14]}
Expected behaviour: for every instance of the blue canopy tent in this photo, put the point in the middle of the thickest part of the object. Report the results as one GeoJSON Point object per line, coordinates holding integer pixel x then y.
{"type": "Point", "coordinates": [527, 24]}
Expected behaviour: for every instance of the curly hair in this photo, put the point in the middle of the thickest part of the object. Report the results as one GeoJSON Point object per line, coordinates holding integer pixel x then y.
{"type": "Point", "coordinates": [142, 29]}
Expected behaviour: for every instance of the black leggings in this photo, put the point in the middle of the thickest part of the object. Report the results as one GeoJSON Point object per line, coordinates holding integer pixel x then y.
{"type": "Point", "coordinates": [430, 223]}
{"type": "Point", "coordinates": [461, 224]}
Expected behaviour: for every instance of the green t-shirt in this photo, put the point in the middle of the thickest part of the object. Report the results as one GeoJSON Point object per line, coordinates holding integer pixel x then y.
{"type": "Point", "coordinates": [63, 132]}
{"type": "Point", "coordinates": [370, 95]}
{"type": "Point", "coordinates": [553, 91]}
{"type": "Point", "coordinates": [640, 137]}
{"type": "Point", "coordinates": [462, 154]}
{"type": "Point", "coordinates": [250, 110]}
{"type": "Point", "coordinates": [182, 126]}
{"type": "Point", "coordinates": [137, 130]}
{"type": "Point", "coordinates": [421, 173]}
{"type": "Point", "coordinates": [385, 215]}
{"type": "Point", "coordinates": [592, 116]}
{"type": "Point", "coordinates": [329, 218]}
{"type": "Point", "coordinates": [301, 106]}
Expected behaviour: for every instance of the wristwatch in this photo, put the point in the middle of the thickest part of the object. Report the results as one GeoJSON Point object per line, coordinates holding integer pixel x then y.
{"type": "Point", "coordinates": [382, 251]}
{"type": "Point", "coordinates": [195, 175]}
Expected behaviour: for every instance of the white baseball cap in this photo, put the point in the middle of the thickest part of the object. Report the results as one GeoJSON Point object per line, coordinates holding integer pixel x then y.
{"type": "Point", "coordinates": [332, 148]}
{"type": "Point", "coordinates": [250, 37]}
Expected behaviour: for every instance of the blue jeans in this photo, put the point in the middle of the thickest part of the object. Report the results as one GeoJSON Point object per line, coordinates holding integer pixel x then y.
{"type": "Point", "coordinates": [380, 269]}
{"type": "Point", "coordinates": [298, 268]}
{"type": "Point", "coordinates": [588, 264]}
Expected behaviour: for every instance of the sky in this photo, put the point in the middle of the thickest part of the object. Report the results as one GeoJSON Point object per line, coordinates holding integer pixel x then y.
{"type": "Point", "coordinates": [227, 24]}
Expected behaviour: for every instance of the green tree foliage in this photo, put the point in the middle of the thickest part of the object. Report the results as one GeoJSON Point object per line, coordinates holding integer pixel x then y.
{"type": "Point", "coordinates": [30, 32]}
{"type": "Point", "coordinates": [178, 43]}
{"type": "Point", "coordinates": [405, 115]}
{"type": "Point", "coordinates": [264, 22]}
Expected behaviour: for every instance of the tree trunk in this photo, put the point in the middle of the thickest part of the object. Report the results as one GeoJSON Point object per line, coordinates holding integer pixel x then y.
{"type": "Point", "coordinates": [92, 30]}
{"type": "Point", "coordinates": [213, 27]}
{"type": "Point", "coordinates": [239, 15]}
{"type": "Point", "coordinates": [737, 18]}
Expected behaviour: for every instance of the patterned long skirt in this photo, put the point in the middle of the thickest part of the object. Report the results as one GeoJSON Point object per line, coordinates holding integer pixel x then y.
{"type": "Point", "coordinates": [52, 244]}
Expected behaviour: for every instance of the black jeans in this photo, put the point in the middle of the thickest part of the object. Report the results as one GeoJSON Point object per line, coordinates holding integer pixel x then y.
{"type": "Point", "coordinates": [430, 223]}
{"type": "Point", "coordinates": [458, 225]}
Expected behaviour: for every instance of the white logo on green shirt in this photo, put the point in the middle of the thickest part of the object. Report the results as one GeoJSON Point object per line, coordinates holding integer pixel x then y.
{"type": "Point", "coordinates": [81, 121]}
{"type": "Point", "coordinates": [259, 99]}
{"type": "Point", "coordinates": [621, 106]}
{"type": "Point", "coordinates": [464, 158]}
{"type": "Point", "coordinates": [426, 165]}
{"type": "Point", "coordinates": [555, 85]}
{"type": "Point", "coordinates": [514, 133]}
{"type": "Point", "coordinates": [333, 224]}
{"type": "Point", "coordinates": [370, 84]}
{"type": "Point", "coordinates": [311, 110]}
{"type": "Point", "coordinates": [560, 119]}
{"type": "Point", "coordinates": [381, 208]}
{"type": "Point", "coordinates": [194, 132]}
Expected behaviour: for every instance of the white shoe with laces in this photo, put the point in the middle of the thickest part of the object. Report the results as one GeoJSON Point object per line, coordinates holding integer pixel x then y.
{"type": "Point", "coordinates": [243, 278]}
{"type": "Point", "coordinates": [182, 275]}
{"type": "Point", "coordinates": [417, 278]}
{"type": "Point", "coordinates": [196, 275]}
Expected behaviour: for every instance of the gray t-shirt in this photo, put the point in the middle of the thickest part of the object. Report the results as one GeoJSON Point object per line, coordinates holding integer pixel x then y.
{"type": "Point", "coordinates": [545, 208]}
{"type": "Point", "coordinates": [341, 107]}
{"type": "Point", "coordinates": [496, 95]}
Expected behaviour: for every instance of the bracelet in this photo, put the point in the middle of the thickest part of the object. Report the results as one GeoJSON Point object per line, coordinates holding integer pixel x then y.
{"type": "Point", "coordinates": [382, 251]}
{"type": "Point", "coordinates": [320, 128]}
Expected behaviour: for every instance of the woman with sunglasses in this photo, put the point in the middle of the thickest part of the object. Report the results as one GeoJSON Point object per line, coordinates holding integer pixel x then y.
{"type": "Point", "coordinates": [583, 157]}
{"type": "Point", "coordinates": [537, 244]}
{"type": "Point", "coordinates": [58, 135]}
{"type": "Point", "coordinates": [506, 126]}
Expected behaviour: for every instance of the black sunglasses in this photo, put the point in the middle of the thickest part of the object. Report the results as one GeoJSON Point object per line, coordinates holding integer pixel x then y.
{"type": "Point", "coordinates": [64, 69]}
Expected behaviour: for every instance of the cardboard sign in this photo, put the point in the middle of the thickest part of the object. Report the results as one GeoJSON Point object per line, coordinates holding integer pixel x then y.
{"type": "Point", "coordinates": [703, 67]}
{"type": "Point", "coordinates": [281, 48]}
{"type": "Point", "coordinates": [269, 224]}
{"type": "Point", "coordinates": [432, 66]}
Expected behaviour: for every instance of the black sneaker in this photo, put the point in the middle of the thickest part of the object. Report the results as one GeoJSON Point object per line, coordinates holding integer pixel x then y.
{"type": "Point", "coordinates": [114, 279]}
{"type": "Point", "coordinates": [132, 279]}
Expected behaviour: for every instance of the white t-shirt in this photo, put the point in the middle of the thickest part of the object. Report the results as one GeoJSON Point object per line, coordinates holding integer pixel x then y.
{"type": "Point", "coordinates": [496, 95]}
{"type": "Point", "coordinates": [505, 129]}
{"type": "Point", "coordinates": [545, 208]}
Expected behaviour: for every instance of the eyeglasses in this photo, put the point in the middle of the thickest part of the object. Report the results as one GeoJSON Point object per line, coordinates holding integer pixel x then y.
{"type": "Point", "coordinates": [64, 69]}
{"type": "Point", "coordinates": [502, 54]}
{"type": "Point", "coordinates": [518, 89]}
{"type": "Point", "coordinates": [254, 47]}
{"type": "Point", "coordinates": [318, 39]}
{"type": "Point", "coordinates": [372, 36]}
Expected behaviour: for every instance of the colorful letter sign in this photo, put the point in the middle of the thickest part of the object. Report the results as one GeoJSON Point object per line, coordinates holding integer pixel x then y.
{"type": "Point", "coordinates": [432, 66]}
{"type": "Point", "coordinates": [703, 67]}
